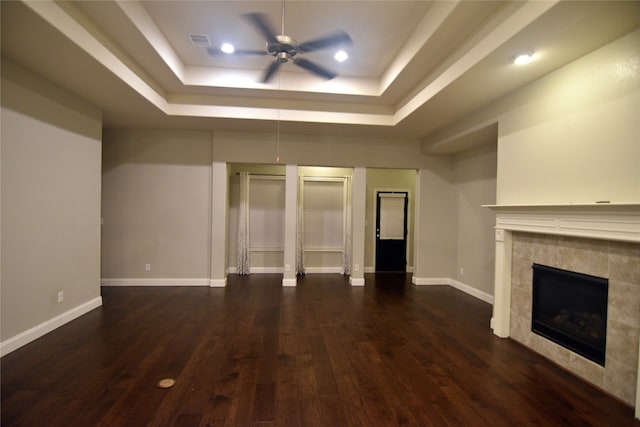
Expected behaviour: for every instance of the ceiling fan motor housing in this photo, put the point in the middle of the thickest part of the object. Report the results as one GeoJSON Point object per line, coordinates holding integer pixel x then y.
{"type": "Point", "coordinates": [284, 49]}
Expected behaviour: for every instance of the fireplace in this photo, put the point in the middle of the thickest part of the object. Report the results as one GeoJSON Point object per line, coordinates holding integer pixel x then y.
{"type": "Point", "coordinates": [601, 240]}
{"type": "Point", "coordinates": [570, 309]}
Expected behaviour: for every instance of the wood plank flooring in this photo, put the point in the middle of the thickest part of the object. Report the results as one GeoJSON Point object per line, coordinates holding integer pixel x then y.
{"type": "Point", "coordinates": [321, 354]}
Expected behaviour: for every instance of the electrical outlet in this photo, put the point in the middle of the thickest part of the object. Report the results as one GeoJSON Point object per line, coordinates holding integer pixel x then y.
{"type": "Point", "coordinates": [356, 267]}
{"type": "Point", "coordinates": [60, 297]}
{"type": "Point", "coordinates": [461, 271]}
{"type": "Point", "coordinates": [287, 267]}
{"type": "Point", "coordinates": [147, 267]}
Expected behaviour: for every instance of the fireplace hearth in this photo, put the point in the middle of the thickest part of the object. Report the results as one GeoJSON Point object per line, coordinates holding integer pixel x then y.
{"type": "Point", "coordinates": [570, 309]}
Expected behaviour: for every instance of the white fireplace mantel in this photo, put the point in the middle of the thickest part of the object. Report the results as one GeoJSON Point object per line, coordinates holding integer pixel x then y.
{"type": "Point", "coordinates": [606, 221]}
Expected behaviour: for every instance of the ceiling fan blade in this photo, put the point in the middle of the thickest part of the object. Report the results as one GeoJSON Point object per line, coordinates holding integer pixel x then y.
{"type": "Point", "coordinates": [261, 22]}
{"type": "Point", "coordinates": [271, 70]}
{"type": "Point", "coordinates": [217, 51]}
{"type": "Point", "coordinates": [337, 38]}
{"type": "Point", "coordinates": [314, 68]}
{"type": "Point", "coordinates": [249, 52]}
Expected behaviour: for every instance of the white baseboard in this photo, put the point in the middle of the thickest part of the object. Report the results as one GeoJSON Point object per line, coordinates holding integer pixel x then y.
{"type": "Point", "coordinates": [420, 281]}
{"type": "Point", "coordinates": [472, 291]}
{"type": "Point", "coordinates": [426, 281]}
{"type": "Point", "coordinates": [329, 270]}
{"type": "Point", "coordinates": [218, 283]}
{"type": "Point", "coordinates": [37, 331]}
{"type": "Point", "coordinates": [356, 281]}
{"type": "Point", "coordinates": [154, 282]}
{"type": "Point", "coordinates": [289, 282]}
{"type": "Point", "coordinates": [373, 269]}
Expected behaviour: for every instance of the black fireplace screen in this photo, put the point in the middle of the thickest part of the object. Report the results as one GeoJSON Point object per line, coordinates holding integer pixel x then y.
{"type": "Point", "coordinates": [570, 309]}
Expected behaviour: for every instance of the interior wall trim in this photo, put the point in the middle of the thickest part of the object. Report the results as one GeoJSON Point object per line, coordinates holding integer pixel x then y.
{"type": "Point", "coordinates": [24, 338]}
{"type": "Point", "coordinates": [218, 283]}
{"type": "Point", "coordinates": [606, 221]}
{"type": "Point", "coordinates": [155, 282]}
{"type": "Point", "coordinates": [325, 270]}
{"type": "Point", "coordinates": [435, 281]}
{"type": "Point", "coordinates": [472, 291]}
{"type": "Point", "coordinates": [356, 281]}
{"type": "Point", "coordinates": [289, 282]}
{"type": "Point", "coordinates": [429, 281]}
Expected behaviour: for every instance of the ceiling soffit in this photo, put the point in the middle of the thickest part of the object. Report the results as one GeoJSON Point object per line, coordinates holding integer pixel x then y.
{"type": "Point", "coordinates": [415, 90]}
{"type": "Point", "coordinates": [295, 86]}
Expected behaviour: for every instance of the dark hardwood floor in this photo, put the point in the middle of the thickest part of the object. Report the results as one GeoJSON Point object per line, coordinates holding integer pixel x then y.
{"type": "Point", "coordinates": [321, 354]}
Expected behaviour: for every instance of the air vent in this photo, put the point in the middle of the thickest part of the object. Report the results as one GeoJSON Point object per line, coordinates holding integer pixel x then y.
{"type": "Point", "coordinates": [200, 40]}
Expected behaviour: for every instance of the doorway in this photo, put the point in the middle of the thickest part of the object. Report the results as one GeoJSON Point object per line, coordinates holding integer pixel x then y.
{"type": "Point", "coordinates": [391, 230]}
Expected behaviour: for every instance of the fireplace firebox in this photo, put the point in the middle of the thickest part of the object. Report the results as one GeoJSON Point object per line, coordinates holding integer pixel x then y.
{"type": "Point", "coordinates": [570, 309]}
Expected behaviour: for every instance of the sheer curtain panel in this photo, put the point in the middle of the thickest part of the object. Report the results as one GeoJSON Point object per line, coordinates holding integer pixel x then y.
{"type": "Point", "coordinates": [346, 254]}
{"type": "Point", "coordinates": [300, 228]}
{"type": "Point", "coordinates": [244, 253]}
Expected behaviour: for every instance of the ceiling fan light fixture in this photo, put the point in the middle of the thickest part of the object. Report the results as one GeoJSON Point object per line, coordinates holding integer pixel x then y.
{"type": "Point", "coordinates": [227, 48]}
{"type": "Point", "coordinates": [341, 56]}
{"type": "Point", "coordinates": [522, 58]}
{"type": "Point", "coordinates": [282, 57]}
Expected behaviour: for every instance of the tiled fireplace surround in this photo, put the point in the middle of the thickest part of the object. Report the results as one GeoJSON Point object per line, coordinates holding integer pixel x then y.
{"type": "Point", "coordinates": [600, 240]}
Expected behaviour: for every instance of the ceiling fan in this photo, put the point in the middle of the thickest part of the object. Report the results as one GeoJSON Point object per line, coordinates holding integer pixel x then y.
{"type": "Point", "coordinates": [284, 48]}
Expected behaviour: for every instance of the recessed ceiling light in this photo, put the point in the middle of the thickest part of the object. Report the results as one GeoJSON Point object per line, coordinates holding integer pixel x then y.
{"type": "Point", "coordinates": [341, 56]}
{"type": "Point", "coordinates": [227, 48]}
{"type": "Point", "coordinates": [523, 58]}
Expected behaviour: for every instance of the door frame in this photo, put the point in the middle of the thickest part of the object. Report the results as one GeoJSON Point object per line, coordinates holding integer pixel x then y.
{"type": "Point", "coordinates": [346, 228]}
{"type": "Point", "coordinates": [374, 217]}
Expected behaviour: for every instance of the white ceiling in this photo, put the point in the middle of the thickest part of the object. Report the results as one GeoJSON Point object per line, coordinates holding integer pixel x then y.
{"type": "Point", "coordinates": [415, 67]}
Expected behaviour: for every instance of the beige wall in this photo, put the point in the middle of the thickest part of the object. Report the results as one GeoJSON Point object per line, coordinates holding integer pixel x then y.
{"type": "Point", "coordinates": [435, 229]}
{"type": "Point", "coordinates": [439, 215]}
{"type": "Point", "coordinates": [312, 150]}
{"type": "Point", "coordinates": [475, 185]}
{"type": "Point", "coordinates": [50, 170]}
{"type": "Point", "coordinates": [574, 136]}
{"type": "Point", "coordinates": [156, 204]}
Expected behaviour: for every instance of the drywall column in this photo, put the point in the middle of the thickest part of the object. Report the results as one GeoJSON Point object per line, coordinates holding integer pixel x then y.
{"type": "Point", "coordinates": [219, 209]}
{"type": "Point", "coordinates": [502, 287]}
{"type": "Point", "coordinates": [417, 247]}
{"type": "Point", "coordinates": [358, 217]}
{"type": "Point", "coordinates": [290, 225]}
{"type": "Point", "coordinates": [434, 228]}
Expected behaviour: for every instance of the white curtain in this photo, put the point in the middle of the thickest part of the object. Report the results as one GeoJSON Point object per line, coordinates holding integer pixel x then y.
{"type": "Point", "coordinates": [244, 253]}
{"type": "Point", "coordinates": [300, 228]}
{"type": "Point", "coordinates": [346, 253]}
